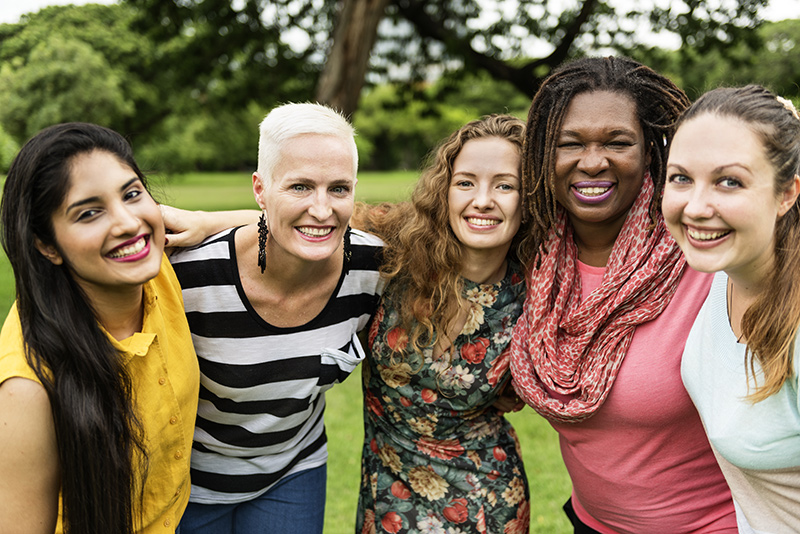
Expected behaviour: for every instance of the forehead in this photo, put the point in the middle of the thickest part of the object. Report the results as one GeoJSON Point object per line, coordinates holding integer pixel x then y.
{"type": "Point", "coordinates": [601, 111]}
{"type": "Point", "coordinates": [316, 155]}
{"type": "Point", "coordinates": [488, 154]}
{"type": "Point", "coordinates": [713, 140]}
{"type": "Point", "coordinates": [97, 169]}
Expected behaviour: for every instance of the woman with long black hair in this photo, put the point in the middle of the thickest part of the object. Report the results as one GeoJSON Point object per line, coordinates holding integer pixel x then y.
{"type": "Point", "coordinates": [98, 377]}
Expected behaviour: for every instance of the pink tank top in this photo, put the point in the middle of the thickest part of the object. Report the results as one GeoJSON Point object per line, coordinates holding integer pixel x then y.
{"type": "Point", "coordinates": [642, 463]}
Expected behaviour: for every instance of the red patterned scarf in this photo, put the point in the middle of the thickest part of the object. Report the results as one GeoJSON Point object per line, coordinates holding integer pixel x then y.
{"type": "Point", "coordinates": [575, 348]}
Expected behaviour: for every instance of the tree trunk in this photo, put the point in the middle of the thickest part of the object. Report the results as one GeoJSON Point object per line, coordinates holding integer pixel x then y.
{"type": "Point", "coordinates": [342, 78]}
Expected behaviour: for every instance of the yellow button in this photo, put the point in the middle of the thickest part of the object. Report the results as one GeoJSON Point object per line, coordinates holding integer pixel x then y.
{"type": "Point", "coordinates": [177, 492]}
{"type": "Point", "coordinates": [162, 380]}
{"type": "Point", "coordinates": [167, 523]}
{"type": "Point", "coordinates": [178, 455]}
{"type": "Point", "coordinates": [173, 420]}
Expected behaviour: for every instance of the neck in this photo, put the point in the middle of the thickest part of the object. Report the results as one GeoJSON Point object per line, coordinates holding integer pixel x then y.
{"type": "Point", "coordinates": [121, 313]}
{"type": "Point", "coordinates": [595, 241]}
{"type": "Point", "coordinates": [485, 267]}
{"type": "Point", "coordinates": [284, 273]}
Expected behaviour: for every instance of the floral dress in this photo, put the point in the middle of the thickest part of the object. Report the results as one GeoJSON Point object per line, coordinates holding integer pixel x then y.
{"type": "Point", "coordinates": [437, 457]}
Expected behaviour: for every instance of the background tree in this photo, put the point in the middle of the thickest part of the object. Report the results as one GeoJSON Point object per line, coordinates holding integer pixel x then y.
{"type": "Point", "coordinates": [417, 35]}
{"type": "Point", "coordinates": [76, 63]}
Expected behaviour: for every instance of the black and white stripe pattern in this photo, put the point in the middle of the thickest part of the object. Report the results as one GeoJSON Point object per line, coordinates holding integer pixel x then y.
{"type": "Point", "coordinates": [262, 399]}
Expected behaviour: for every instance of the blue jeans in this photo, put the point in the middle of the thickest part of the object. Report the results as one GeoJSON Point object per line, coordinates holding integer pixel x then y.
{"type": "Point", "coordinates": [295, 505]}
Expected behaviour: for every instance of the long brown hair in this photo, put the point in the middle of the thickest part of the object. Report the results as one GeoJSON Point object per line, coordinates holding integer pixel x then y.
{"type": "Point", "coordinates": [770, 324]}
{"type": "Point", "coordinates": [423, 257]}
{"type": "Point", "coordinates": [659, 103]}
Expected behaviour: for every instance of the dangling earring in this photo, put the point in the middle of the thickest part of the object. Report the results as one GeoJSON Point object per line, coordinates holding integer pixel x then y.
{"type": "Point", "coordinates": [348, 253]}
{"type": "Point", "coordinates": [263, 232]}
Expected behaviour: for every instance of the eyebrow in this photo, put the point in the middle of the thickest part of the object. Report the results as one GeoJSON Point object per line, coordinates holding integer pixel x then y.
{"type": "Point", "coordinates": [617, 131]}
{"type": "Point", "coordinates": [89, 200]}
{"type": "Point", "coordinates": [715, 170]}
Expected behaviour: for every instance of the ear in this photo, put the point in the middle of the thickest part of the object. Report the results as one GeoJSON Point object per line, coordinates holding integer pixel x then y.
{"type": "Point", "coordinates": [259, 190]}
{"type": "Point", "coordinates": [48, 251]}
{"type": "Point", "coordinates": [789, 196]}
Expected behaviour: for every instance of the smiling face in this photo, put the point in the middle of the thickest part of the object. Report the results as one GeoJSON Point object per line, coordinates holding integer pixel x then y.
{"type": "Point", "coordinates": [309, 199]}
{"type": "Point", "coordinates": [108, 231]}
{"type": "Point", "coordinates": [484, 198]}
{"type": "Point", "coordinates": [600, 159]}
{"type": "Point", "coordinates": [720, 202]}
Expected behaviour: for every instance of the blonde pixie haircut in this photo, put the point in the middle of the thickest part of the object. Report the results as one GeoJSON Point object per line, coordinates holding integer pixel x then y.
{"type": "Point", "coordinates": [291, 120]}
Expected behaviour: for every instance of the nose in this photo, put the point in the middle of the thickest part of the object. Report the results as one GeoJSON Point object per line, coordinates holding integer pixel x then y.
{"type": "Point", "coordinates": [484, 198]}
{"type": "Point", "coordinates": [699, 204]}
{"type": "Point", "coordinates": [320, 207]}
{"type": "Point", "coordinates": [125, 221]}
{"type": "Point", "coordinates": [593, 161]}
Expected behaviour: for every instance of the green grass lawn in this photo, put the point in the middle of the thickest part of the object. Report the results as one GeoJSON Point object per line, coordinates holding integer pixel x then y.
{"type": "Point", "coordinates": [549, 482]}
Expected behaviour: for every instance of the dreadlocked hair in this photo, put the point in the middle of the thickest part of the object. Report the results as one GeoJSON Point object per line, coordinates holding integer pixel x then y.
{"type": "Point", "coordinates": [423, 258]}
{"type": "Point", "coordinates": [659, 103]}
{"type": "Point", "coordinates": [770, 324]}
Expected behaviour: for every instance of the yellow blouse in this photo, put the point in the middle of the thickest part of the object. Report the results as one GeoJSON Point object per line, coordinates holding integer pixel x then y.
{"type": "Point", "coordinates": [165, 376]}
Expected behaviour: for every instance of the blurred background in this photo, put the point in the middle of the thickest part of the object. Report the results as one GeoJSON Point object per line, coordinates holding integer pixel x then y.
{"type": "Point", "coordinates": [188, 80]}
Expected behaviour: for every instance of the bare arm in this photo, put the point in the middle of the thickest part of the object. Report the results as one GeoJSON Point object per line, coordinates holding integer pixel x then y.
{"type": "Point", "coordinates": [191, 227]}
{"type": "Point", "coordinates": [29, 466]}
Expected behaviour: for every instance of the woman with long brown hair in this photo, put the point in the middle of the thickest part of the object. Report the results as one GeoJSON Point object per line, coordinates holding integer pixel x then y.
{"type": "Point", "coordinates": [437, 452]}
{"type": "Point", "coordinates": [733, 179]}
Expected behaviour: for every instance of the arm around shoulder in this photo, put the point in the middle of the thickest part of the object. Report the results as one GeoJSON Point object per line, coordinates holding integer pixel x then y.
{"type": "Point", "coordinates": [29, 465]}
{"type": "Point", "coordinates": [189, 228]}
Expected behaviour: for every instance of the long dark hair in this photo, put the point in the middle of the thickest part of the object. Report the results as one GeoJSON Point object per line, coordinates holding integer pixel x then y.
{"type": "Point", "coordinates": [99, 436]}
{"type": "Point", "coordinates": [659, 102]}
{"type": "Point", "coordinates": [770, 324]}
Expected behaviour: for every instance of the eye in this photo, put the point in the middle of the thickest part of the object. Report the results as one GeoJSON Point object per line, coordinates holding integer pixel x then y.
{"type": "Point", "coordinates": [132, 194]}
{"type": "Point", "coordinates": [462, 183]}
{"type": "Point", "coordinates": [506, 187]}
{"type": "Point", "coordinates": [620, 144]}
{"type": "Point", "coordinates": [340, 190]}
{"type": "Point", "coordinates": [86, 215]}
{"type": "Point", "coordinates": [678, 179]}
{"type": "Point", "coordinates": [568, 145]}
{"type": "Point", "coordinates": [730, 183]}
{"type": "Point", "coordinates": [298, 188]}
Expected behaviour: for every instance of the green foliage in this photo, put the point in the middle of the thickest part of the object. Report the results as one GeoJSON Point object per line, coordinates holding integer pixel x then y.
{"type": "Point", "coordinates": [398, 125]}
{"type": "Point", "coordinates": [74, 63]}
{"type": "Point", "coordinates": [773, 64]}
{"type": "Point", "coordinates": [8, 149]}
{"type": "Point", "coordinates": [198, 139]}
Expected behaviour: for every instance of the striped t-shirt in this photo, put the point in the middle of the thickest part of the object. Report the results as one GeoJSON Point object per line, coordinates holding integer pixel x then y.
{"type": "Point", "coordinates": [260, 415]}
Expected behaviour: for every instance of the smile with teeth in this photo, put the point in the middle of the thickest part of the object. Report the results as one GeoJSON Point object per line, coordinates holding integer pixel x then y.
{"type": "Point", "coordinates": [482, 222]}
{"type": "Point", "coordinates": [706, 236]}
{"type": "Point", "coordinates": [313, 231]}
{"type": "Point", "coordinates": [592, 191]}
{"type": "Point", "coordinates": [129, 250]}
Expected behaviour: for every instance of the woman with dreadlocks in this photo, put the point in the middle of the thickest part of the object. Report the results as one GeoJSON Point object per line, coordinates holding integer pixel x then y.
{"type": "Point", "coordinates": [610, 302]}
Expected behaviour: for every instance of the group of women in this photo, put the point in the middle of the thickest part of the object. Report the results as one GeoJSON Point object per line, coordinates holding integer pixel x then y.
{"type": "Point", "coordinates": [568, 262]}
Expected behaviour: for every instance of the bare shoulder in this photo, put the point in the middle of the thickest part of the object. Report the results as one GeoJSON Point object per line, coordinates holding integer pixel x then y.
{"type": "Point", "coordinates": [26, 419]}
{"type": "Point", "coordinates": [29, 468]}
{"type": "Point", "coordinates": [22, 392]}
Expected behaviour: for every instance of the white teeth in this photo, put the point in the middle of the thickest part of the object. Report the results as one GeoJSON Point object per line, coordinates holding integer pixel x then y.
{"type": "Point", "coordinates": [312, 231]}
{"type": "Point", "coordinates": [592, 191]}
{"type": "Point", "coordinates": [705, 236]}
{"type": "Point", "coordinates": [475, 221]}
{"type": "Point", "coordinates": [129, 250]}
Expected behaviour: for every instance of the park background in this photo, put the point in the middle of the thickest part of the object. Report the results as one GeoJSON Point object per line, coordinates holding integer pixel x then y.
{"type": "Point", "coordinates": [188, 81]}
